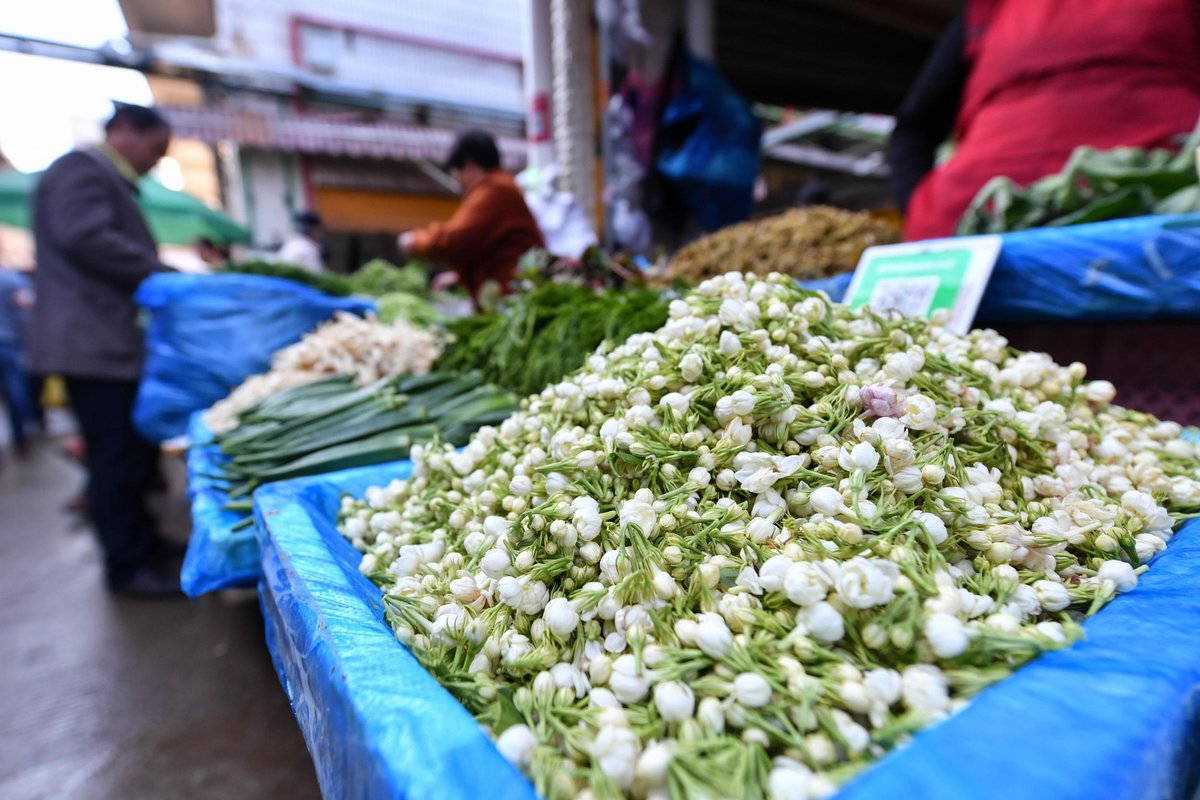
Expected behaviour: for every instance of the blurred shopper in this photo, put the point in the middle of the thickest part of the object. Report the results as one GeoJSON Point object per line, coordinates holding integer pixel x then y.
{"type": "Point", "coordinates": [16, 301]}
{"type": "Point", "coordinates": [94, 248]}
{"type": "Point", "coordinates": [491, 229]}
{"type": "Point", "coordinates": [1021, 83]}
{"type": "Point", "coordinates": [303, 247]}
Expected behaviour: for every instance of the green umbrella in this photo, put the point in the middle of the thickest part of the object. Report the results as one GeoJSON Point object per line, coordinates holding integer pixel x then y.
{"type": "Point", "coordinates": [174, 217]}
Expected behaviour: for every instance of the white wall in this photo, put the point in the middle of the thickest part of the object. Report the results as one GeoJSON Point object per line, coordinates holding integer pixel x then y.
{"type": "Point", "coordinates": [259, 30]}
{"type": "Point", "coordinates": [269, 181]}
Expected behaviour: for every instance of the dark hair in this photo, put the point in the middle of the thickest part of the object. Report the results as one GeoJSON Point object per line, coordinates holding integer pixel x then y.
{"type": "Point", "coordinates": [306, 221]}
{"type": "Point", "coordinates": [473, 147]}
{"type": "Point", "coordinates": [140, 118]}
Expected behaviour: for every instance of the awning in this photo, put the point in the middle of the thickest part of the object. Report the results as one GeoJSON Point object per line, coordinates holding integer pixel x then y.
{"type": "Point", "coordinates": [329, 135]}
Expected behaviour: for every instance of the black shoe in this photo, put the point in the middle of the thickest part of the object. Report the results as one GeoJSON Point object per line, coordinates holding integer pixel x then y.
{"type": "Point", "coordinates": [148, 582]}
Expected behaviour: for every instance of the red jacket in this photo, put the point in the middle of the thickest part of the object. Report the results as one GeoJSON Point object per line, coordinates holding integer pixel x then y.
{"type": "Point", "coordinates": [1046, 76]}
{"type": "Point", "coordinates": [485, 238]}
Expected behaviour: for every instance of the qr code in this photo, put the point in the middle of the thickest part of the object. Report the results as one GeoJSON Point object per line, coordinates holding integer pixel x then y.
{"type": "Point", "coordinates": [910, 296]}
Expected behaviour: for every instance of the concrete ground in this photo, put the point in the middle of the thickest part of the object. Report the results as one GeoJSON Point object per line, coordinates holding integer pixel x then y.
{"type": "Point", "coordinates": [113, 698]}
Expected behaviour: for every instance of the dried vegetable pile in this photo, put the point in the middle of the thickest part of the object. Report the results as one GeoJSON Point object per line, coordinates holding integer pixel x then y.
{"type": "Point", "coordinates": [748, 553]}
{"type": "Point", "coordinates": [362, 347]}
{"type": "Point", "coordinates": [812, 242]}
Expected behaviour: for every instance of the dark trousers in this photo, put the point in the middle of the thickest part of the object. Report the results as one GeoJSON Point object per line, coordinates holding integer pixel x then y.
{"type": "Point", "coordinates": [120, 465]}
{"type": "Point", "coordinates": [14, 391]}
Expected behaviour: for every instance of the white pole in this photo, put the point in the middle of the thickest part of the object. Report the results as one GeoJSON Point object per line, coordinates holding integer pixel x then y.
{"type": "Point", "coordinates": [537, 72]}
{"type": "Point", "coordinates": [572, 99]}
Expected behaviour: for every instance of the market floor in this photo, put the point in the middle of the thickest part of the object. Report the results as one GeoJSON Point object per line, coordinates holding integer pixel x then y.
{"type": "Point", "coordinates": [110, 698]}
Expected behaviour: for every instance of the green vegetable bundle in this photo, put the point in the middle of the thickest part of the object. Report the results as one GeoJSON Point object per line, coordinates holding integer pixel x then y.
{"type": "Point", "coordinates": [1094, 186]}
{"type": "Point", "coordinates": [539, 337]}
{"type": "Point", "coordinates": [409, 307]}
{"type": "Point", "coordinates": [327, 282]}
{"type": "Point", "coordinates": [379, 277]}
{"type": "Point", "coordinates": [333, 424]}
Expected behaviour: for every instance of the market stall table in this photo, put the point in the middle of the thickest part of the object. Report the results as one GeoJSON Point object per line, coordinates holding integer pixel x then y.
{"type": "Point", "coordinates": [1113, 716]}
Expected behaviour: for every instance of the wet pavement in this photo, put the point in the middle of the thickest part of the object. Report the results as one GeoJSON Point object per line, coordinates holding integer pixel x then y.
{"type": "Point", "coordinates": [103, 697]}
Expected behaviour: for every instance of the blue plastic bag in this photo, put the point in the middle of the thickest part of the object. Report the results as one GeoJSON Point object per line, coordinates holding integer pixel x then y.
{"type": "Point", "coordinates": [208, 333]}
{"type": "Point", "coordinates": [709, 148]}
{"type": "Point", "coordinates": [1122, 270]}
{"type": "Point", "coordinates": [1114, 716]}
{"type": "Point", "coordinates": [222, 552]}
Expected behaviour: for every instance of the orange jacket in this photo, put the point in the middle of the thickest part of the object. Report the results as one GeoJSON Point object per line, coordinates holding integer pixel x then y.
{"type": "Point", "coordinates": [485, 238]}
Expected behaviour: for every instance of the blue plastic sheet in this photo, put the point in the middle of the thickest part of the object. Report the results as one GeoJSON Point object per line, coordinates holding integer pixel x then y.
{"type": "Point", "coordinates": [1122, 270]}
{"type": "Point", "coordinates": [709, 141]}
{"type": "Point", "coordinates": [377, 725]}
{"type": "Point", "coordinates": [222, 553]}
{"type": "Point", "coordinates": [208, 333]}
{"type": "Point", "coordinates": [1112, 717]}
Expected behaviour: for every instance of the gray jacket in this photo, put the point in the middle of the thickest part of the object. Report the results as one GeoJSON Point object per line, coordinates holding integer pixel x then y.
{"type": "Point", "coordinates": [93, 249]}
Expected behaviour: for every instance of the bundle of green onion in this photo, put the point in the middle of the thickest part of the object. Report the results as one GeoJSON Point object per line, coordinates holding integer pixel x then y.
{"type": "Point", "coordinates": [333, 424]}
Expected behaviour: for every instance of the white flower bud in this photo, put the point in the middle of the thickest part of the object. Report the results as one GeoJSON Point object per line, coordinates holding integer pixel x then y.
{"type": "Point", "coordinates": [685, 630]}
{"type": "Point", "coordinates": [854, 697]}
{"type": "Point", "coordinates": [1099, 392]}
{"type": "Point", "coordinates": [789, 783]}
{"type": "Point", "coordinates": [946, 634]}
{"type": "Point", "coordinates": [464, 589]}
{"type": "Point", "coordinates": [1121, 574]}
{"type": "Point", "coordinates": [600, 670]}
{"type": "Point", "coordinates": [674, 700]}
{"type": "Point", "coordinates": [826, 500]}
{"type": "Point", "coordinates": [495, 563]}
{"type": "Point", "coordinates": [517, 744]}
{"type": "Point", "coordinates": [627, 682]}
{"type": "Point", "coordinates": [933, 525]}
{"type": "Point", "coordinates": [652, 765]}
{"type": "Point", "coordinates": [924, 689]}
{"type": "Point", "coordinates": [560, 616]}
{"type": "Point", "coordinates": [751, 690]}
{"type": "Point", "coordinates": [590, 552]}
{"type": "Point", "coordinates": [805, 584]}
{"type": "Point", "coordinates": [729, 344]}
{"type": "Point", "coordinates": [1053, 596]}
{"type": "Point", "coordinates": [713, 636]}
{"type": "Point", "coordinates": [823, 621]}
{"type": "Point", "coordinates": [711, 715]}
{"type": "Point", "coordinates": [933, 474]}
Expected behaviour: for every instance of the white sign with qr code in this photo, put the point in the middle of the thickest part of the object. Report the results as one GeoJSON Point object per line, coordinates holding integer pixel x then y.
{"type": "Point", "coordinates": [910, 296]}
{"type": "Point", "coordinates": [921, 279]}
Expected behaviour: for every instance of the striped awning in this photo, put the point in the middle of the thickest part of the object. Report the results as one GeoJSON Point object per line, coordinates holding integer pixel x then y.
{"type": "Point", "coordinates": [330, 135]}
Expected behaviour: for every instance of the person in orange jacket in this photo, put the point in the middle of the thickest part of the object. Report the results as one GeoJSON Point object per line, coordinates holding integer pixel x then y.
{"type": "Point", "coordinates": [490, 230]}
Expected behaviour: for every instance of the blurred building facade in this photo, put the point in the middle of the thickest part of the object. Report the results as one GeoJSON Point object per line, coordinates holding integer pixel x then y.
{"type": "Point", "coordinates": [344, 108]}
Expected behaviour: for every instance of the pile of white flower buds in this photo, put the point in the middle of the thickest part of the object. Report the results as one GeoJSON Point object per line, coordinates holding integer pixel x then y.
{"type": "Point", "coordinates": [745, 555]}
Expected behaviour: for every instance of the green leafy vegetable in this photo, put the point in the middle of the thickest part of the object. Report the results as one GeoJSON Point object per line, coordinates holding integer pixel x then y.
{"type": "Point", "coordinates": [379, 277]}
{"type": "Point", "coordinates": [327, 282]}
{"type": "Point", "coordinates": [538, 337]}
{"type": "Point", "coordinates": [1094, 186]}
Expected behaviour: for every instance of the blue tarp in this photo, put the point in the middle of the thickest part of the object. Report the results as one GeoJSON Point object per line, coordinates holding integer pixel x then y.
{"type": "Point", "coordinates": [377, 725]}
{"type": "Point", "coordinates": [1123, 270]}
{"type": "Point", "coordinates": [1113, 716]}
{"type": "Point", "coordinates": [218, 556]}
{"type": "Point", "coordinates": [208, 333]}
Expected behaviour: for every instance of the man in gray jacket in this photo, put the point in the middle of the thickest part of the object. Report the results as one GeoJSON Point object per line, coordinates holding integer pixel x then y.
{"type": "Point", "coordinates": [93, 249]}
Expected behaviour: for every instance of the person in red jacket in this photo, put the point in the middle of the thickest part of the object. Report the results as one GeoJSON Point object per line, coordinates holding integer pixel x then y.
{"type": "Point", "coordinates": [1021, 83]}
{"type": "Point", "coordinates": [490, 230]}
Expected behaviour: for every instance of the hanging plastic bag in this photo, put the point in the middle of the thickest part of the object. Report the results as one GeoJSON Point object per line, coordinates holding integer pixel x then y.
{"type": "Point", "coordinates": [207, 333]}
{"type": "Point", "coordinates": [709, 145]}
